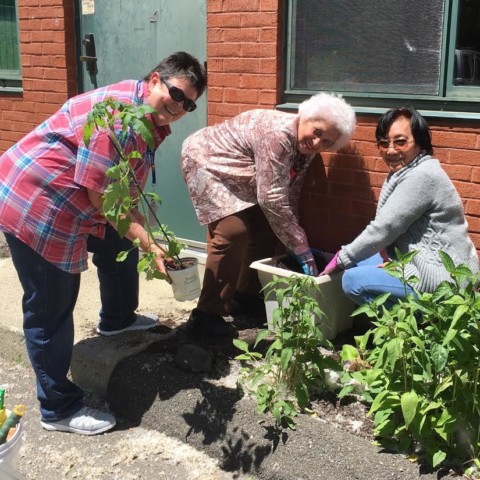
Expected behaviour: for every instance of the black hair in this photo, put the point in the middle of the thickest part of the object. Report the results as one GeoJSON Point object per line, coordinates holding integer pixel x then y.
{"type": "Point", "coordinates": [420, 129]}
{"type": "Point", "coordinates": [183, 65]}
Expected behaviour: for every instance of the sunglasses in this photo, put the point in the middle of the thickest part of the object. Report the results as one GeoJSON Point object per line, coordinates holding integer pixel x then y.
{"type": "Point", "coordinates": [399, 144]}
{"type": "Point", "coordinates": [178, 95]}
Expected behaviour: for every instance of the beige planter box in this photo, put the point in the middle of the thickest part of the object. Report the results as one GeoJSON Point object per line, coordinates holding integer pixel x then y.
{"type": "Point", "coordinates": [331, 299]}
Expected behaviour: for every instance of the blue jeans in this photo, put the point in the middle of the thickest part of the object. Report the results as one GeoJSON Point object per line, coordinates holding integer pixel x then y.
{"type": "Point", "coordinates": [365, 282]}
{"type": "Point", "coordinates": [48, 301]}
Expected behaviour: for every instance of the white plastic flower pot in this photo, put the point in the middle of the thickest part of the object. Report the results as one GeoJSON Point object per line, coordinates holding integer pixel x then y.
{"type": "Point", "coordinates": [9, 456]}
{"type": "Point", "coordinates": [186, 283]}
{"type": "Point", "coordinates": [330, 297]}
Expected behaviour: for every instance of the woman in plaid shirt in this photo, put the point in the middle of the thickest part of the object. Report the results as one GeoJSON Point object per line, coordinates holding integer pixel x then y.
{"type": "Point", "coordinates": [51, 190]}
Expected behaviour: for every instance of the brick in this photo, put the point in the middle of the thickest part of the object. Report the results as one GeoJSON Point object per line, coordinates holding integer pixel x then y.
{"type": "Point", "coordinates": [22, 106]}
{"type": "Point", "coordinates": [269, 66]}
{"type": "Point", "coordinates": [259, 20]}
{"type": "Point", "coordinates": [223, 20]}
{"type": "Point", "coordinates": [473, 224]}
{"type": "Point", "coordinates": [241, 96]}
{"type": "Point", "coordinates": [53, 24]}
{"type": "Point", "coordinates": [53, 49]}
{"type": "Point", "coordinates": [215, 94]}
{"type": "Point", "coordinates": [454, 139]}
{"type": "Point", "coordinates": [242, 65]}
{"type": "Point", "coordinates": [214, 6]}
{"type": "Point", "coordinates": [464, 157]}
{"type": "Point", "coordinates": [241, 5]}
{"type": "Point", "coordinates": [467, 190]}
{"type": "Point", "coordinates": [472, 207]}
{"type": "Point", "coordinates": [458, 172]}
{"type": "Point", "coordinates": [241, 35]}
{"type": "Point", "coordinates": [475, 175]}
{"type": "Point", "coordinates": [258, 50]}
{"type": "Point", "coordinates": [269, 5]}
{"type": "Point", "coordinates": [368, 178]}
{"type": "Point", "coordinates": [222, 109]}
{"type": "Point", "coordinates": [268, 98]}
{"type": "Point", "coordinates": [258, 81]}
{"type": "Point", "coordinates": [216, 79]}
{"type": "Point", "coordinates": [55, 74]}
{"type": "Point", "coordinates": [224, 50]}
{"type": "Point", "coordinates": [215, 65]}
{"type": "Point", "coordinates": [269, 35]}
{"type": "Point", "coordinates": [214, 35]}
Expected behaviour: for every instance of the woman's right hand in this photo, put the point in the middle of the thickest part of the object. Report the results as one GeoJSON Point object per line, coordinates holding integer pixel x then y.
{"type": "Point", "coordinates": [159, 258]}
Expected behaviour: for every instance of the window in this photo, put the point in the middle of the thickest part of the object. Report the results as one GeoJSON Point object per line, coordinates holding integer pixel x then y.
{"type": "Point", "coordinates": [9, 45]}
{"type": "Point", "coordinates": [426, 52]}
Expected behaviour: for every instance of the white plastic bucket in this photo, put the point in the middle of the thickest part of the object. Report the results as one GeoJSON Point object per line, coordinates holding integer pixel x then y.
{"type": "Point", "coordinates": [186, 283]}
{"type": "Point", "coordinates": [9, 456]}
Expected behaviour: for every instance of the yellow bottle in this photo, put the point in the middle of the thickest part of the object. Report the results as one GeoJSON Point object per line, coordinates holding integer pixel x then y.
{"type": "Point", "coordinates": [3, 413]}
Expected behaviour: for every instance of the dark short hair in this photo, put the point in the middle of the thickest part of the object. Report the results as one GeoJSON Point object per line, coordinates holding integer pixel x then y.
{"type": "Point", "coordinates": [420, 129]}
{"type": "Point", "coordinates": [183, 65]}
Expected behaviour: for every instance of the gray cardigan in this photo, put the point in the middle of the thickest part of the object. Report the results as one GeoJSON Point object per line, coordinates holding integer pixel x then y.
{"type": "Point", "coordinates": [418, 209]}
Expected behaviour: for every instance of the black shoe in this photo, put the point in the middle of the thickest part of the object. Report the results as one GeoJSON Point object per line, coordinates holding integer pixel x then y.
{"type": "Point", "coordinates": [207, 324]}
{"type": "Point", "coordinates": [246, 304]}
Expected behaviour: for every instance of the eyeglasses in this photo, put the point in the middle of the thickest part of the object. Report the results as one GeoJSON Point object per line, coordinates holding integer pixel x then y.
{"type": "Point", "coordinates": [399, 144]}
{"type": "Point", "coordinates": [178, 95]}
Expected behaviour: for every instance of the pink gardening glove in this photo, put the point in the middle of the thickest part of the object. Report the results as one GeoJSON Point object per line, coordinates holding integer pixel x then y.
{"type": "Point", "coordinates": [332, 266]}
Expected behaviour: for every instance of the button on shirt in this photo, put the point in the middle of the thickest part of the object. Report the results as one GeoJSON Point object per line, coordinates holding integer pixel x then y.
{"type": "Point", "coordinates": [45, 176]}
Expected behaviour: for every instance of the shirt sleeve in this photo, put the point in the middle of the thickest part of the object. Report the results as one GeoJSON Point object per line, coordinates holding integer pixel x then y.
{"type": "Point", "coordinates": [410, 199]}
{"type": "Point", "coordinates": [273, 161]}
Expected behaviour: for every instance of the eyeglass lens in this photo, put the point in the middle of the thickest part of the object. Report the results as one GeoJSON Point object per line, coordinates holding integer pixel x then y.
{"type": "Point", "coordinates": [178, 95]}
{"type": "Point", "coordinates": [398, 144]}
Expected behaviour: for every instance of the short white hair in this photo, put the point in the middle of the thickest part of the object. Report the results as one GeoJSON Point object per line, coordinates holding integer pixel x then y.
{"type": "Point", "coordinates": [332, 108]}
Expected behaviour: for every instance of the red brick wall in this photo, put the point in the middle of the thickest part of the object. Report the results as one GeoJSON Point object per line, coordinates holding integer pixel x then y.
{"type": "Point", "coordinates": [47, 52]}
{"type": "Point", "coordinates": [244, 56]}
{"type": "Point", "coordinates": [244, 40]}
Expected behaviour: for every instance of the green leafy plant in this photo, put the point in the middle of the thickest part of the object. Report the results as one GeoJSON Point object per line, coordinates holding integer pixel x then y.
{"type": "Point", "coordinates": [293, 366]}
{"type": "Point", "coordinates": [422, 369]}
{"type": "Point", "coordinates": [124, 193]}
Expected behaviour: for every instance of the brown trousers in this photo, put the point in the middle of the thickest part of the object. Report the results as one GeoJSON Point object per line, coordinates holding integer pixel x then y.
{"type": "Point", "coordinates": [233, 243]}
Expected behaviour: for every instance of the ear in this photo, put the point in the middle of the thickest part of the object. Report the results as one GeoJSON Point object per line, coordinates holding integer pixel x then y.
{"type": "Point", "coordinates": [154, 80]}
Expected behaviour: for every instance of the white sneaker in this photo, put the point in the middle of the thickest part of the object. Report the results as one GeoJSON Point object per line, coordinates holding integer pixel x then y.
{"type": "Point", "coordinates": [144, 321]}
{"type": "Point", "coordinates": [87, 421]}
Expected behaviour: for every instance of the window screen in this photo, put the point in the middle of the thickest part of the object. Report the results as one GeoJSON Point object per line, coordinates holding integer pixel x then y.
{"type": "Point", "coordinates": [368, 46]}
{"type": "Point", "coordinates": [9, 52]}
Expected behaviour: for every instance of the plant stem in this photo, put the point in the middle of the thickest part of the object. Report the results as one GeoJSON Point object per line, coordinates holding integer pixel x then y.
{"type": "Point", "coordinates": [144, 198]}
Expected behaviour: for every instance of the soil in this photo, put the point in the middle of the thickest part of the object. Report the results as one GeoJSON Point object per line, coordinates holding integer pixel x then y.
{"type": "Point", "coordinates": [290, 263]}
{"type": "Point", "coordinates": [348, 414]}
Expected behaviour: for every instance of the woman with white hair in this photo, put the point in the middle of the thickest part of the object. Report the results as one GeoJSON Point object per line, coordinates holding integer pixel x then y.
{"type": "Point", "coordinates": [244, 176]}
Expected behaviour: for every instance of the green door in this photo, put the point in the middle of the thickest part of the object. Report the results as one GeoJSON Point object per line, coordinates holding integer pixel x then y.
{"type": "Point", "coordinates": [130, 39]}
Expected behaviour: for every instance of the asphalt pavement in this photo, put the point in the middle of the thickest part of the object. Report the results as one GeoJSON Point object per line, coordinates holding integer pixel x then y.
{"type": "Point", "coordinates": [172, 424]}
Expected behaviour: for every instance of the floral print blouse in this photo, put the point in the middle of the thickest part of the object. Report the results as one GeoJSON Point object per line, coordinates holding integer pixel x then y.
{"type": "Point", "coordinates": [247, 160]}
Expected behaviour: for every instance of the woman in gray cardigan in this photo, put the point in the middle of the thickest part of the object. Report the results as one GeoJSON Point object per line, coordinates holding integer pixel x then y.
{"type": "Point", "coordinates": [418, 209]}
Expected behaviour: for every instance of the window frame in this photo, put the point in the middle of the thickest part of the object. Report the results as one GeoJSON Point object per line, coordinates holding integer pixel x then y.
{"type": "Point", "coordinates": [453, 101]}
{"type": "Point", "coordinates": [10, 79]}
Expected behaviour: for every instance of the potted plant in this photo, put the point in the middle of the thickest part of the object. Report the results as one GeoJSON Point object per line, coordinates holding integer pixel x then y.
{"type": "Point", "coordinates": [327, 292]}
{"type": "Point", "coordinates": [120, 198]}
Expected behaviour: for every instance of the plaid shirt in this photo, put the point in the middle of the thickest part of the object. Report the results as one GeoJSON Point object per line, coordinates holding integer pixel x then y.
{"type": "Point", "coordinates": [44, 178]}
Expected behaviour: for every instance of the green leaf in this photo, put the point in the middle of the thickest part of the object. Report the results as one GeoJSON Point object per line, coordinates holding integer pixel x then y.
{"type": "Point", "coordinates": [409, 402]}
{"type": "Point", "coordinates": [447, 261]}
{"type": "Point", "coordinates": [438, 458]}
{"type": "Point", "coordinates": [241, 344]}
{"type": "Point", "coordinates": [88, 132]}
{"type": "Point", "coordinates": [261, 336]}
{"type": "Point", "coordinates": [287, 354]}
{"type": "Point", "coordinates": [439, 356]}
{"type": "Point", "coordinates": [349, 353]}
